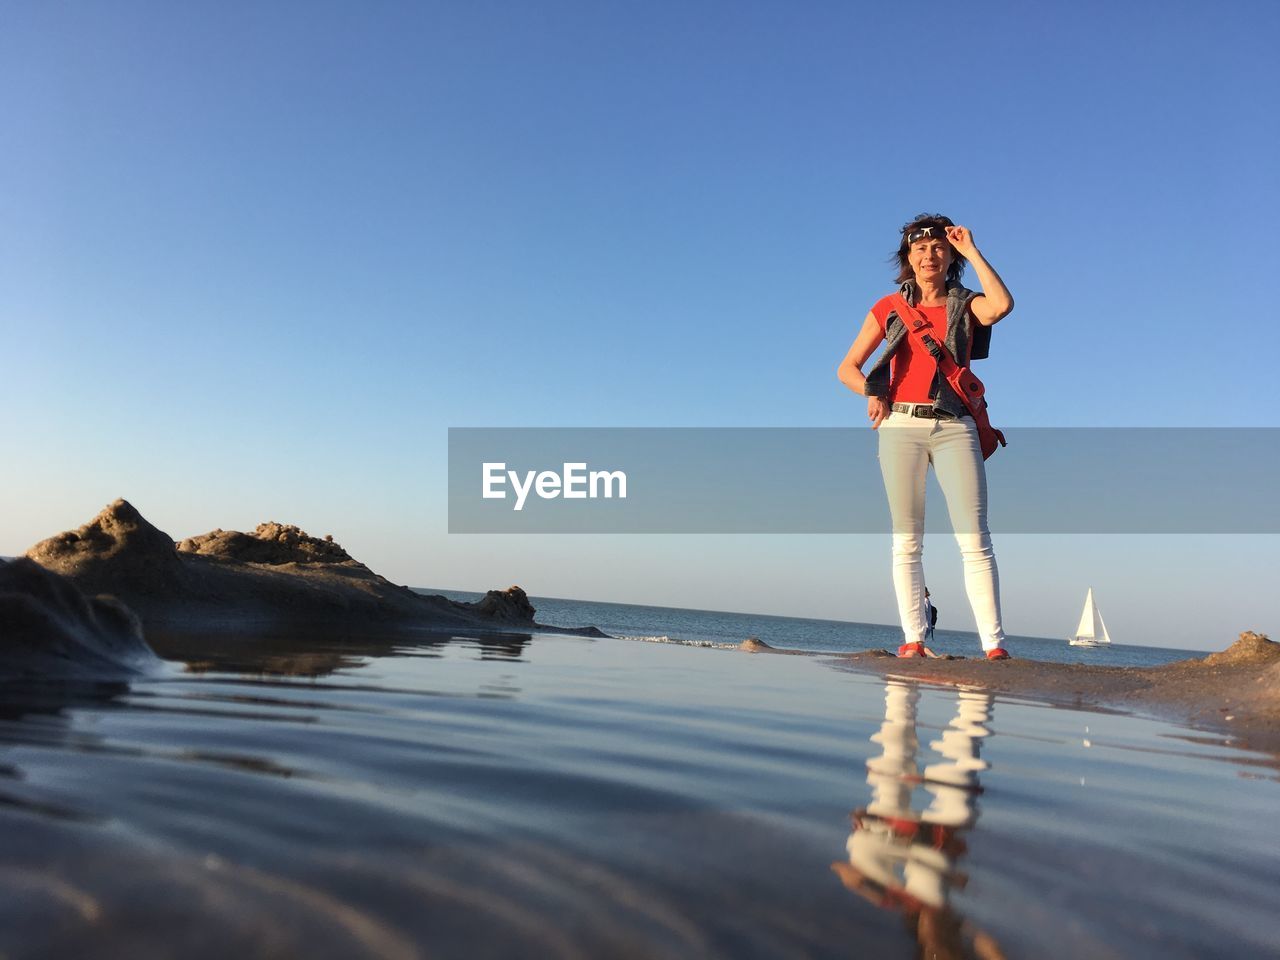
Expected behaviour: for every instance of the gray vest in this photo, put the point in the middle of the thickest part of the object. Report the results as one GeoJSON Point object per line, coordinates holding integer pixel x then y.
{"type": "Point", "coordinates": [966, 340]}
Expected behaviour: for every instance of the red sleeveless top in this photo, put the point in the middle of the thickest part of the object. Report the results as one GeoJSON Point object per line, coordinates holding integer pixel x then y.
{"type": "Point", "coordinates": [912, 368]}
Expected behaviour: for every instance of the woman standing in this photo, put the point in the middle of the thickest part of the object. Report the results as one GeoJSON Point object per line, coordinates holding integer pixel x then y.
{"type": "Point", "coordinates": [921, 420]}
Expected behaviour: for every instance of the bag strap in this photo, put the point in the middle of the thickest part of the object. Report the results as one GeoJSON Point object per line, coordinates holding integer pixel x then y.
{"type": "Point", "coordinates": [969, 389]}
{"type": "Point", "coordinates": [962, 380]}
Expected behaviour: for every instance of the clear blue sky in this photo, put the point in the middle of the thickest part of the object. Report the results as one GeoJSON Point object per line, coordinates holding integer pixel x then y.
{"type": "Point", "coordinates": [257, 258]}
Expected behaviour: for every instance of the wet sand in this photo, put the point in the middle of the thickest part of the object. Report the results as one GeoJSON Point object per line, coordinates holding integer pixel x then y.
{"type": "Point", "coordinates": [1236, 691]}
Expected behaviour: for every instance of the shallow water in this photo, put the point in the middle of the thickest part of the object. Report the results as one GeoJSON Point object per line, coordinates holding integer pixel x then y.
{"type": "Point", "coordinates": [558, 796]}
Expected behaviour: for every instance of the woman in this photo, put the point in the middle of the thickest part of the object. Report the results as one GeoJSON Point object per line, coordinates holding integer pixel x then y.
{"type": "Point", "coordinates": [921, 420]}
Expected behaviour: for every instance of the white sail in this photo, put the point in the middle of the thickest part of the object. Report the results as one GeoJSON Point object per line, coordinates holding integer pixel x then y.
{"type": "Point", "coordinates": [1100, 634]}
{"type": "Point", "coordinates": [1092, 631]}
{"type": "Point", "coordinates": [1085, 629]}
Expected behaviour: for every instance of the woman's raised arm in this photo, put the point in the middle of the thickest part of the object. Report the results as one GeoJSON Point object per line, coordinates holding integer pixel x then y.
{"type": "Point", "coordinates": [995, 302]}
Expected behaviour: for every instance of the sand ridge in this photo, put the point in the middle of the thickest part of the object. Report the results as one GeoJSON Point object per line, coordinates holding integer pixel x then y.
{"type": "Point", "coordinates": [1236, 691]}
{"type": "Point", "coordinates": [276, 577]}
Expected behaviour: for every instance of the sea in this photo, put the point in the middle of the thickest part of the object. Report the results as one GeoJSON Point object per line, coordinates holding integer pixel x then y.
{"type": "Point", "coordinates": [465, 795]}
{"type": "Point", "coordinates": [718, 628]}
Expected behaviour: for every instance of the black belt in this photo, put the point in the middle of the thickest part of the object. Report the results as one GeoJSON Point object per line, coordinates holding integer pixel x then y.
{"type": "Point", "coordinates": [926, 410]}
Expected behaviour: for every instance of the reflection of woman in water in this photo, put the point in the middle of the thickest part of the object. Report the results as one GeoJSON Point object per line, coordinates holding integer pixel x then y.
{"type": "Point", "coordinates": [904, 859]}
{"type": "Point", "coordinates": [921, 420]}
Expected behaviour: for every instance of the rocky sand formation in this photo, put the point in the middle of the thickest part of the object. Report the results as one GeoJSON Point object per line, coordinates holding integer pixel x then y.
{"type": "Point", "coordinates": [278, 577]}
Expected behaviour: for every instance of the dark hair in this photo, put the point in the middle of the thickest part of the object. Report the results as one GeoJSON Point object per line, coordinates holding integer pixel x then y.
{"type": "Point", "coordinates": [900, 255]}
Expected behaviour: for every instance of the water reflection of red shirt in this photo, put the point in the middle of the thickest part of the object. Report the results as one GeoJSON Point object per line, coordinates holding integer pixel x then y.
{"type": "Point", "coordinates": [912, 368]}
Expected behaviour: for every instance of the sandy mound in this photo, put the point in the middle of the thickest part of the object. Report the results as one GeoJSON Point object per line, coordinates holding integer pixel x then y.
{"type": "Point", "coordinates": [116, 550]}
{"type": "Point", "coordinates": [278, 576]}
{"type": "Point", "coordinates": [1251, 648]}
{"type": "Point", "coordinates": [507, 606]}
{"type": "Point", "coordinates": [271, 543]}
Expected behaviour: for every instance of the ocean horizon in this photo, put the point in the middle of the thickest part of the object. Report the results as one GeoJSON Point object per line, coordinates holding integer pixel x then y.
{"type": "Point", "coordinates": [722, 628]}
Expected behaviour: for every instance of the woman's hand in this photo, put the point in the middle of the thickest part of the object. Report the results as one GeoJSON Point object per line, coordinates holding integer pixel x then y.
{"type": "Point", "coordinates": [995, 301]}
{"type": "Point", "coordinates": [877, 410]}
{"type": "Point", "coordinates": [962, 239]}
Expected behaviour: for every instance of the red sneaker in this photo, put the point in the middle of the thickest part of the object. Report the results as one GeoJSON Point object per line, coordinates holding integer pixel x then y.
{"type": "Point", "coordinates": [911, 650]}
{"type": "Point", "coordinates": [999, 653]}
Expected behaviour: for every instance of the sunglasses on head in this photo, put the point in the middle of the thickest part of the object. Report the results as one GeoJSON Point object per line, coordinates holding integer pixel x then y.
{"type": "Point", "coordinates": [924, 232]}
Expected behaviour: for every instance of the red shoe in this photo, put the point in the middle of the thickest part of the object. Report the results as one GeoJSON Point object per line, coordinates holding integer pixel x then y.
{"type": "Point", "coordinates": [999, 653]}
{"type": "Point", "coordinates": [911, 650]}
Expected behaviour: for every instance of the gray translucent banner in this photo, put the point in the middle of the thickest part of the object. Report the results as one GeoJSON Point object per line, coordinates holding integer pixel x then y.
{"type": "Point", "coordinates": [828, 480]}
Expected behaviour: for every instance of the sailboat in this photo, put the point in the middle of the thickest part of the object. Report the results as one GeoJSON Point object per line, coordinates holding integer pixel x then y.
{"type": "Point", "coordinates": [1092, 632]}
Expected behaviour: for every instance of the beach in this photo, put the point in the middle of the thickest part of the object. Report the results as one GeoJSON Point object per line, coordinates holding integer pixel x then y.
{"type": "Point", "coordinates": [540, 794]}
{"type": "Point", "coordinates": [212, 746]}
{"type": "Point", "coordinates": [470, 483]}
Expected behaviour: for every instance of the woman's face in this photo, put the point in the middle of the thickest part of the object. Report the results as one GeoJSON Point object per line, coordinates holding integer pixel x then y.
{"type": "Point", "coordinates": [929, 258]}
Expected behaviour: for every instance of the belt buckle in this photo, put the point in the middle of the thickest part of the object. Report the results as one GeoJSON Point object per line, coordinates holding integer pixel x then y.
{"type": "Point", "coordinates": [923, 410]}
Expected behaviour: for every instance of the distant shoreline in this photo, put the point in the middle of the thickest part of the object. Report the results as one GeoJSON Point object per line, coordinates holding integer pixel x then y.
{"type": "Point", "coordinates": [445, 591]}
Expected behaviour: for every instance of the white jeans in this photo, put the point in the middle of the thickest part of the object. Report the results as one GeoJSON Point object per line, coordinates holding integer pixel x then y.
{"type": "Point", "coordinates": [907, 446]}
